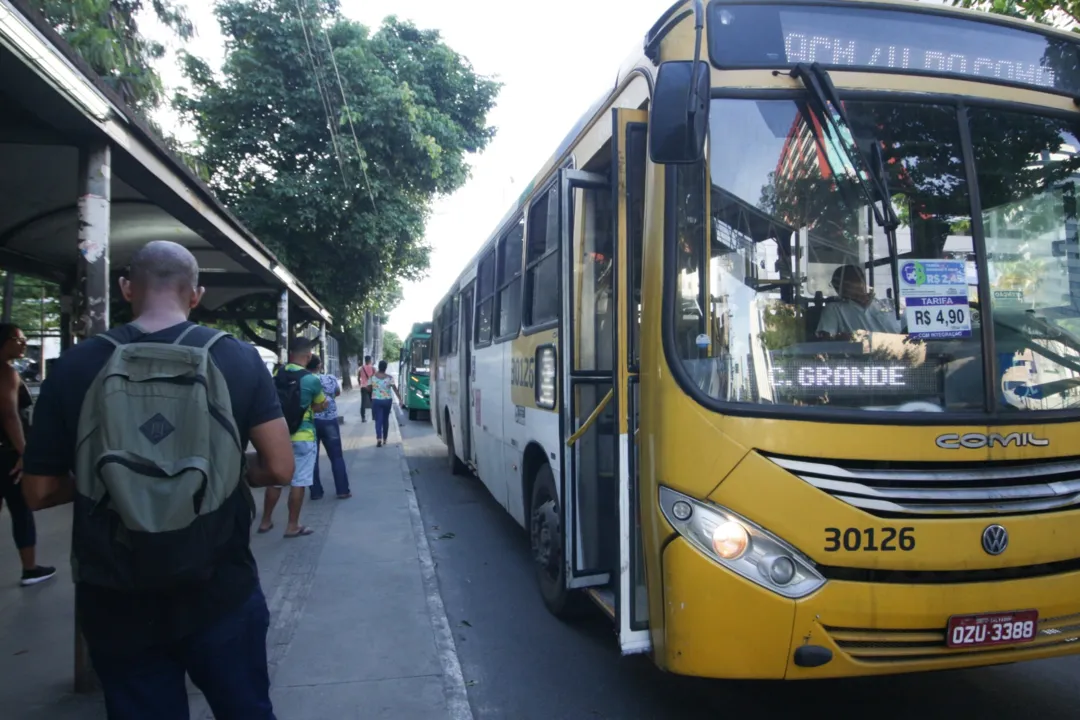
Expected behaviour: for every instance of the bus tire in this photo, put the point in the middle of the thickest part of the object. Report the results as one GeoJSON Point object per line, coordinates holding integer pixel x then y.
{"type": "Point", "coordinates": [547, 542]}
{"type": "Point", "coordinates": [456, 467]}
{"type": "Point", "coordinates": [412, 414]}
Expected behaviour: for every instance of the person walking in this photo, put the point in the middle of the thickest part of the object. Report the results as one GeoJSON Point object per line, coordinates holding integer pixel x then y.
{"type": "Point", "coordinates": [364, 376]}
{"type": "Point", "coordinates": [382, 402]}
{"type": "Point", "coordinates": [145, 428]}
{"type": "Point", "coordinates": [301, 396]}
{"type": "Point", "coordinates": [328, 434]}
{"type": "Point", "coordinates": [15, 412]}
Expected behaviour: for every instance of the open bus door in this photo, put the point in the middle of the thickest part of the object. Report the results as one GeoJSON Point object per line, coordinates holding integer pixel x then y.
{"type": "Point", "coordinates": [601, 239]}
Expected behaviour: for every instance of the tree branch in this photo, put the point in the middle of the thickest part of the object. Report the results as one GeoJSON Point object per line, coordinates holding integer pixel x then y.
{"type": "Point", "coordinates": [254, 337]}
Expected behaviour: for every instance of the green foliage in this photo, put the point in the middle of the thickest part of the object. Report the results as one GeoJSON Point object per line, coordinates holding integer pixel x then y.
{"type": "Point", "coordinates": [347, 216]}
{"type": "Point", "coordinates": [1042, 11]}
{"type": "Point", "coordinates": [106, 34]}
{"type": "Point", "coordinates": [36, 305]}
{"type": "Point", "coordinates": [391, 344]}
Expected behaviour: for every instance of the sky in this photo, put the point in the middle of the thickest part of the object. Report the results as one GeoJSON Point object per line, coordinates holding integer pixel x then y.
{"type": "Point", "coordinates": [554, 60]}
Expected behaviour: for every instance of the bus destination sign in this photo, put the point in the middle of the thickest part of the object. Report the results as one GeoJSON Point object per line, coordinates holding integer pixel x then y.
{"type": "Point", "coordinates": [868, 38]}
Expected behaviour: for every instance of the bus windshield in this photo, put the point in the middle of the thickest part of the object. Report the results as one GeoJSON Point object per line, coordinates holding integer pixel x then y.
{"type": "Point", "coordinates": [420, 360]}
{"type": "Point", "coordinates": [793, 295]}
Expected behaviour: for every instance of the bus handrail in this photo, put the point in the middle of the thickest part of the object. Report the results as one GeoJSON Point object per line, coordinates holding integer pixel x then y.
{"type": "Point", "coordinates": [591, 419]}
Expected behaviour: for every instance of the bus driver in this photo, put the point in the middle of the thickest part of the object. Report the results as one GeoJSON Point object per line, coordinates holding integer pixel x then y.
{"type": "Point", "coordinates": [856, 309]}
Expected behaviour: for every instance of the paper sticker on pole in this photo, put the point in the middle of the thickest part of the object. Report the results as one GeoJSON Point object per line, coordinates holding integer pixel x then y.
{"type": "Point", "coordinates": [935, 295]}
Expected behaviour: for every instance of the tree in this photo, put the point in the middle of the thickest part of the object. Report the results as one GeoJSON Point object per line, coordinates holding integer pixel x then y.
{"type": "Point", "coordinates": [337, 179]}
{"type": "Point", "coordinates": [1042, 11]}
{"type": "Point", "coordinates": [391, 343]}
{"type": "Point", "coordinates": [106, 35]}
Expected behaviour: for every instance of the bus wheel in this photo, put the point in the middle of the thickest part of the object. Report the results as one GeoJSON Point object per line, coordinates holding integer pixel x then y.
{"type": "Point", "coordinates": [456, 466]}
{"type": "Point", "coordinates": [546, 538]}
{"type": "Point", "coordinates": [412, 414]}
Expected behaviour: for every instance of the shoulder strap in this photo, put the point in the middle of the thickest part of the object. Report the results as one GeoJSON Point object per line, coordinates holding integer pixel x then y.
{"type": "Point", "coordinates": [123, 335]}
{"type": "Point", "coordinates": [197, 336]}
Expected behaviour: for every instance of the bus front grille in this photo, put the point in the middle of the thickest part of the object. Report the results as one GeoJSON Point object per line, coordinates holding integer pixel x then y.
{"type": "Point", "coordinates": [897, 646]}
{"type": "Point", "coordinates": [889, 489]}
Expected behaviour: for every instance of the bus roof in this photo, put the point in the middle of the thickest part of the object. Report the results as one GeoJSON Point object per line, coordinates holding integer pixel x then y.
{"type": "Point", "coordinates": [637, 61]}
{"type": "Point", "coordinates": [420, 330]}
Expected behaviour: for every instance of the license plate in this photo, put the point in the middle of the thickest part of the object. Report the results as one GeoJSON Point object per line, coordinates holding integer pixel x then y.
{"type": "Point", "coordinates": [966, 631]}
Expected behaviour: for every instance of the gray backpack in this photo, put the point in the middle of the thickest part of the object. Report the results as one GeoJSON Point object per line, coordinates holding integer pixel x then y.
{"type": "Point", "coordinates": [158, 465]}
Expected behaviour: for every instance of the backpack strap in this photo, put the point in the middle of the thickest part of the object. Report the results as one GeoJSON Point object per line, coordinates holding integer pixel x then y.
{"type": "Point", "coordinates": [197, 336]}
{"type": "Point", "coordinates": [123, 335]}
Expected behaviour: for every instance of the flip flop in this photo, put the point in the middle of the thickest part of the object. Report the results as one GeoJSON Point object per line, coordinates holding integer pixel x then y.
{"type": "Point", "coordinates": [265, 529]}
{"type": "Point", "coordinates": [301, 532]}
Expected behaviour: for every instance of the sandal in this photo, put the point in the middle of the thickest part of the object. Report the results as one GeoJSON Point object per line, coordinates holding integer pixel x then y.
{"type": "Point", "coordinates": [266, 529]}
{"type": "Point", "coordinates": [303, 530]}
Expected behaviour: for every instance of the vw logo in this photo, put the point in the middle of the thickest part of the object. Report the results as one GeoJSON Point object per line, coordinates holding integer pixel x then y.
{"type": "Point", "coordinates": [995, 539]}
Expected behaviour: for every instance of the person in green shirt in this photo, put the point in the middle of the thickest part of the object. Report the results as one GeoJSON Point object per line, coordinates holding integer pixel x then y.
{"type": "Point", "coordinates": [305, 447]}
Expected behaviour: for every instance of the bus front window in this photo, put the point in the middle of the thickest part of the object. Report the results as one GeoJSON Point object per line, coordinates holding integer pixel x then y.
{"type": "Point", "coordinates": [421, 357]}
{"type": "Point", "coordinates": [1027, 171]}
{"type": "Point", "coordinates": [794, 295]}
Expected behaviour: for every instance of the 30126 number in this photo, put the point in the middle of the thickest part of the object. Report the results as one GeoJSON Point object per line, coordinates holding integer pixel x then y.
{"type": "Point", "coordinates": [886, 539]}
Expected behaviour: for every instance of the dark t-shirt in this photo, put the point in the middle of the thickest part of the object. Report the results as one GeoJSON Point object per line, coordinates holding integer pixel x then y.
{"type": "Point", "coordinates": [118, 622]}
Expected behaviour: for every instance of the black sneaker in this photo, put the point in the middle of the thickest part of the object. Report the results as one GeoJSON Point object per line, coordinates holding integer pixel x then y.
{"type": "Point", "coordinates": [38, 575]}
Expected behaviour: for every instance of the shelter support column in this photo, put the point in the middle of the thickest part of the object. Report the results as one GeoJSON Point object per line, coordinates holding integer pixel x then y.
{"type": "Point", "coordinates": [324, 348]}
{"type": "Point", "coordinates": [9, 295]}
{"type": "Point", "coordinates": [92, 286]}
{"type": "Point", "coordinates": [92, 309]}
{"type": "Point", "coordinates": [283, 327]}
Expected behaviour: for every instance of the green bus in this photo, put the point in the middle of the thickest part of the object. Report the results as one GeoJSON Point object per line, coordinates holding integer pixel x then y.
{"type": "Point", "coordinates": [414, 369]}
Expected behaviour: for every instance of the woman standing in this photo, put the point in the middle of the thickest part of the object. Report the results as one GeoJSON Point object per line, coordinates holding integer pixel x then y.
{"type": "Point", "coordinates": [328, 432]}
{"type": "Point", "coordinates": [382, 401]}
{"type": "Point", "coordinates": [15, 412]}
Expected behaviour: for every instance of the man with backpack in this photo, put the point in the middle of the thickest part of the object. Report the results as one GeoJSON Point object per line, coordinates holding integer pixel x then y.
{"type": "Point", "coordinates": [145, 428]}
{"type": "Point", "coordinates": [301, 395]}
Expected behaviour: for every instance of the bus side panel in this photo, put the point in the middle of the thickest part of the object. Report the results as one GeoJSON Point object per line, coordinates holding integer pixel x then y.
{"type": "Point", "coordinates": [487, 418]}
{"type": "Point", "coordinates": [524, 424]}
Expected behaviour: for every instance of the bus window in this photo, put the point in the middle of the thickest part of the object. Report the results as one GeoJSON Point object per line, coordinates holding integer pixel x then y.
{"type": "Point", "coordinates": [805, 302]}
{"type": "Point", "coordinates": [485, 299]}
{"type": "Point", "coordinates": [509, 272]}
{"type": "Point", "coordinates": [593, 280]}
{"type": "Point", "coordinates": [542, 269]}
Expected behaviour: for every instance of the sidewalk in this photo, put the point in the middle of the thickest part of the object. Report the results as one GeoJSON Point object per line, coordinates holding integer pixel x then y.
{"type": "Point", "coordinates": [357, 626]}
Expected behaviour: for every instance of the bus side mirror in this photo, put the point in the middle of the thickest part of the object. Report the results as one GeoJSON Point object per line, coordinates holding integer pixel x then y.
{"type": "Point", "coordinates": [679, 114]}
{"type": "Point", "coordinates": [401, 354]}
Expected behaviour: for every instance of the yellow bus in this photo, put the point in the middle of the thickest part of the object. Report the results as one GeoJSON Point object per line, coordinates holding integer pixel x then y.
{"type": "Point", "coordinates": [777, 359]}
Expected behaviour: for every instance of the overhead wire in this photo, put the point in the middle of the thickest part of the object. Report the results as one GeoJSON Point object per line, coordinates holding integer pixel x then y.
{"type": "Point", "coordinates": [324, 96]}
{"type": "Point", "coordinates": [348, 114]}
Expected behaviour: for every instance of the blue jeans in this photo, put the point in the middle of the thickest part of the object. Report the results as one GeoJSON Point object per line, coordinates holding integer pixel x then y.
{"type": "Point", "coordinates": [381, 410]}
{"type": "Point", "coordinates": [227, 661]}
{"type": "Point", "coordinates": [328, 433]}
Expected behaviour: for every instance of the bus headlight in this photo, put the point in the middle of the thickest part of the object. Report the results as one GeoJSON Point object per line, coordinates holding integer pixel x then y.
{"type": "Point", "coordinates": [740, 545]}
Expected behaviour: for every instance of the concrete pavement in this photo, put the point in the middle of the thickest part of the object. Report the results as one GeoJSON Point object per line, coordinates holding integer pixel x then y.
{"type": "Point", "coordinates": [357, 629]}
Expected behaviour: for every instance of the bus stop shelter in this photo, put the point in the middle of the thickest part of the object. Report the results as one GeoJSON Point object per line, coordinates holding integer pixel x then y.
{"type": "Point", "coordinates": [85, 182]}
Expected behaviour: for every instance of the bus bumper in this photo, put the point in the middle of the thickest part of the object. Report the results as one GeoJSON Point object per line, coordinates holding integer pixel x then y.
{"type": "Point", "coordinates": [717, 624]}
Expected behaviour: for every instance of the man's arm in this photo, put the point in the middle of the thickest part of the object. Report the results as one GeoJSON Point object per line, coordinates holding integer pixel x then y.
{"type": "Point", "coordinates": [47, 479]}
{"type": "Point", "coordinates": [272, 463]}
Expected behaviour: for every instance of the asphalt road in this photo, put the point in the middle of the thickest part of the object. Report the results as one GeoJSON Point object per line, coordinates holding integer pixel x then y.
{"type": "Point", "coordinates": [521, 663]}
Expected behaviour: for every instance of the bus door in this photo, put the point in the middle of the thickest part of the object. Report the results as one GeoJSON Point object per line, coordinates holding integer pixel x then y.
{"type": "Point", "coordinates": [602, 221]}
{"type": "Point", "coordinates": [467, 373]}
{"type": "Point", "coordinates": [590, 461]}
{"type": "Point", "coordinates": [630, 148]}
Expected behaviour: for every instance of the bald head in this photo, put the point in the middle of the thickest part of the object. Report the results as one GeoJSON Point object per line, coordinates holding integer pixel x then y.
{"type": "Point", "coordinates": [164, 276]}
{"type": "Point", "coordinates": [162, 265]}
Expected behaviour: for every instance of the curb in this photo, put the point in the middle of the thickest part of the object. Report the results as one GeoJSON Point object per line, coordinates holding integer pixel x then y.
{"type": "Point", "coordinates": [457, 697]}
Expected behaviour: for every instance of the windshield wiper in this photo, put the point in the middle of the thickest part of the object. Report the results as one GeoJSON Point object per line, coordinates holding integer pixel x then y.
{"type": "Point", "coordinates": [869, 176]}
